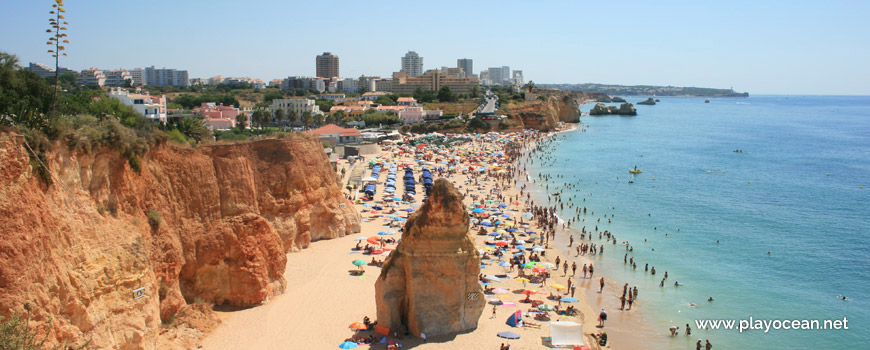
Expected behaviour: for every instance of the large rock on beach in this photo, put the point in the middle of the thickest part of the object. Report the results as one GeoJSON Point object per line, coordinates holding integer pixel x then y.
{"type": "Point", "coordinates": [429, 283]}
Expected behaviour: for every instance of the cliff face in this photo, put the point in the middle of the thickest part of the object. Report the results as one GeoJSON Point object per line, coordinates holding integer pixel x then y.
{"type": "Point", "coordinates": [429, 283]}
{"type": "Point", "coordinates": [210, 225]}
{"type": "Point", "coordinates": [558, 106]}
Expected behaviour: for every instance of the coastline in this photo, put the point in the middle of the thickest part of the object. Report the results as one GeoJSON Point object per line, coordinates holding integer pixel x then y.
{"type": "Point", "coordinates": [626, 329]}
{"type": "Point", "coordinates": [323, 273]}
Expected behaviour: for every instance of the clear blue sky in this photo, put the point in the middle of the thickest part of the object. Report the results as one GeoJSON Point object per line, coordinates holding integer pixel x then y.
{"type": "Point", "coordinates": [782, 47]}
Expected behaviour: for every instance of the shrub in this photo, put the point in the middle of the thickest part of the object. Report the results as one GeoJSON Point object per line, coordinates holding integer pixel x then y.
{"type": "Point", "coordinates": [134, 163]}
{"type": "Point", "coordinates": [154, 219]}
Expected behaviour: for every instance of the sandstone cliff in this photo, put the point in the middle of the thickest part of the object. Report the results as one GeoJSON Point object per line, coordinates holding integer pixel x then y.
{"type": "Point", "coordinates": [210, 225]}
{"type": "Point", "coordinates": [545, 114]}
{"type": "Point", "coordinates": [429, 283]}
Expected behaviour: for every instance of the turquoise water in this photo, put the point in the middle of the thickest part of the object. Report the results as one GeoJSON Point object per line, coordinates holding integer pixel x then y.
{"type": "Point", "coordinates": [794, 191]}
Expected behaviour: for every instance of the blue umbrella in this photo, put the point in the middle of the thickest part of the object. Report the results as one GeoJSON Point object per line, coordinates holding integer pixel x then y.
{"type": "Point", "coordinates": [348, 345]}
{"type": "Point", "coordinates": [504, 264]}
{"type": "Point", "coordinates": [494, 234]}
{"type": "Point", "coordinates": [477, 210]}
{"type": "Point", "coordinates": [409, 210]}
{"type": "Point", "coordinates": [396, 199]}
{"type": "Point", "coordinates": [502, 205]}
{"type": "Point", "coordinates": [511, 230]}
{"type": "Point", "coordinates": [377, 207]}
{"type": "Point", "coordinates": [382, 233]}
{"type": "Point", "coordinates": [569, 300]}
{"type": "Point", "coordinates": [520, 246]}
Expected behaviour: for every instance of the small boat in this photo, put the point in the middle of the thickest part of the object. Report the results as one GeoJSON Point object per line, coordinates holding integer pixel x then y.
{"type": "Point", "coordinates": [707, 101]}
{"type": "Point", "coordinates": [635, 170]}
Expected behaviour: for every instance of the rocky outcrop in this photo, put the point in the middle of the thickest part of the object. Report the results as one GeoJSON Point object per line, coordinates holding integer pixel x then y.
{"type": "Point", "coordinates": [429, 283]}
{"type": "Point", "coordinates": [617, 99]}
{"type": "Point", "coordinates": [604, 99]}
{"type": "Point", "coordinates": [623, 109]}
{"type": "Point", "coordinates": [203, 226]}
{"type": "Point", "coordinates": [650, 102]}
{"type": "Point", "coordinates": [546, 114]}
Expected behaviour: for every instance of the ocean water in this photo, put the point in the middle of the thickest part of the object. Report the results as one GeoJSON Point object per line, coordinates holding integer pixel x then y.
{"type": "Point", "coordinates": [795, 192]}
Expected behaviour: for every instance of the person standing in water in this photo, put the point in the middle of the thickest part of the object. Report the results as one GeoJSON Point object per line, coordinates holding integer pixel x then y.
{"type": "Point", "coordinates": [601, 283]}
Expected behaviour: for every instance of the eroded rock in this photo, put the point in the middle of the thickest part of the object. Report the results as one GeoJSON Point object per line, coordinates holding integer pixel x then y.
{"type": "Point", "coordinates": [429, 283]}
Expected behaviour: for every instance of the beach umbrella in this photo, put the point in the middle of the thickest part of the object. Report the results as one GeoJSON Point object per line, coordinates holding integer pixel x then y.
{"type": "Point", "coordinates": [548, 265]}
{"type": "Point", "coordinates": [382, 233]}
{"type": "Point", "coordinates": [486, 223]}
{"type": "Point", "coordinates": [492, 278]}
{"type": "Point", "coordinates": [529, 291]}
{"type": "Point", "coordinates": [521, 279]}
{"type": "Point", "coordinates": [477, 211]}
{"type": "Point", "coordinates": [494, 234]}
{"type": "Point", "coordinates": [504, 264]}
{"type": "Point", "coordinates": [410, 210]}
{"type": "Point", "coordinates": [537, 249]}
{"type": "Point", "coordinates": [539, 269]}
{"type": "Point", "coordinates": [529, 265]}
{"type": "Point", "coordinates": [360, 238]}
{"type": "Point", "coordinates": [358, 326]}
{"type": "Point", "coordinates": [359, 262]}
{"type": "Point", "coordinates": [511, 230]}
{"type": "Point", "coordinates": [373, 240]}
{"type": "Point", "coordinates": [519, 241]}
{"type": "Point", "coordinates": [508, 335]}
{"type": "Point", "coordinates": [558, 286]}
{"type": "Point", "coordinates": [520, 246]}
{"type": "Point", "coordinates": [527, 215]}
{"type": "Point", "coordinates": [396, 199]}
{"type": "Point", "coordinates": [502, 205]}
{"type": "Point", "coordinates": [500, 291]}
{"type": "Point", "coordinates": [569, 300]}
{"type": "Point", "coordinates": [348, 345]}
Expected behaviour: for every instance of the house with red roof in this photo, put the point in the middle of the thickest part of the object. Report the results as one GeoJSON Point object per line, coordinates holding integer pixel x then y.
{"type": "Point", "coordinates": [336, 134]}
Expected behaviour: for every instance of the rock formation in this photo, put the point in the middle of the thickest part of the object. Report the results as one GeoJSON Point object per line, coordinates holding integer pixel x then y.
{"type": "Point", "coordinates": [617, 99]}
{"type": "Point", "coordinates": [194, 226]}
{"type": "Point", "coordinates": [623, 109]}
{"type": "Point", "coordinates": [649, 102]}
{"type": "Point", "coordinates": [547, 113]}
{"type": "Point", "coordinates": [604, 99]}
{"type": "Point", "coordinates": [429, 283]}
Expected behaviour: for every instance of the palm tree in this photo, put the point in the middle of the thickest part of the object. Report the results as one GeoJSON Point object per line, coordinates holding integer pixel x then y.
{"type": "Point", "coordinates": [306, 118]}
{"type": "Point", "coordinates": [292, 117]}
{"type": "Point", "coordinates": [279, 115]}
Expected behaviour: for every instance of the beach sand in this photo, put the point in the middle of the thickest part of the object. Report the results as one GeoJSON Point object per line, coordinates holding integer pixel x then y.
{"type": "Point", "coordinates": [323, 298]}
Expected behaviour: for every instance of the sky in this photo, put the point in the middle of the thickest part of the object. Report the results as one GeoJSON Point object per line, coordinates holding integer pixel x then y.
{"type": "Point", "coordinates": [761, 47]}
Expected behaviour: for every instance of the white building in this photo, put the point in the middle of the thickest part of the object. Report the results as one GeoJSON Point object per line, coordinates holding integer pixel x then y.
{"type": "Point", "coordinates": [165, 77]}
{"type": "Point", "coordinates": [467, 66]}
{"type": "Point", "coordinates": [151, 106]}
{"type": "Point", "coordinates": [297, 105]}
{"type": "Point", "coordinates": [349, 85]}
{"type": "Point", "coordinates": [117, 77]}
{"type": "Point", "coordinates": [412, 64]}
{"type": "Point", "coordinates": [92, 77]}
{"type": "Point", "coordinates": [138, 76]}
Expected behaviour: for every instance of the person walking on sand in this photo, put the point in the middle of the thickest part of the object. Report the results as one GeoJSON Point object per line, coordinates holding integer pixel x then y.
{"type": "Point", "coordinates": [622, 302]}
{"type": "Point", "coordinates": [493, 312]}
{"type": "Point", "coordinates": [585, 269]}
{"type": "Point", "coordinates": [603, 317]}
{"type": "Point", "coordinates": [572, 290]}
{"type": "Point", "coordinates": [601, 283]}
{"type": "Point", "coordinates": [565, 268]}
{"type": "Point", "coordinates": [573, 269]}
{"type": "Point", "coordinates": [591, 271]}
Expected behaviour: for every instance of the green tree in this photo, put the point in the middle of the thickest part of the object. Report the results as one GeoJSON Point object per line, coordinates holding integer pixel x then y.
{"type": "Point", "coordinates": [474, 92]}
{"type": "Point", "coordinates": [319, 119]}
{"type": "Point", "coordinates": [385, 100]}
{"type": "Point", "coordinates": [324, 105]}
{"type": "Point", "coordinates": [307, 118]}
{"type": "Point", "coordinates": [193, 128]}
{"type": "Point", "coordinates": [339, 117]}
{"type": "Point", "coordinates": [278, 116]}
{"type": "Point", "coordinates": [292, 117]}
{"type": "Point", "coordinates": [446, 95]}
{"type": "Point", "coordinates": [530, 86]}
{"type": "Point", "coordinates": [241, 121]}
{"type": "Point", "coordinates": [261, 117]}
{"type": "Point", "coordinates": [272, 95]}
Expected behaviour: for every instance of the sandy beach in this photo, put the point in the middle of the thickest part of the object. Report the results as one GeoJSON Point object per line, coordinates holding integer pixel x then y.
{"type": "Point", "coordinates": [323, 297]}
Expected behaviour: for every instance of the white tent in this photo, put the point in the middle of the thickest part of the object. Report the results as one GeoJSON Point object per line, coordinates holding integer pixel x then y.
{"type": "Point", "coordinates": [563, 333]}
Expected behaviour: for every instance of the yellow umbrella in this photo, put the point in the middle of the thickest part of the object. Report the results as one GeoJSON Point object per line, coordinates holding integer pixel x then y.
{"type": "Point", "coordinates": [508, 224]}
{"type": "Point", "coordinates": [522, 279]}
{"type": "Point", "coordinates": [501, 231]}
{"type": "Point", "coordinates": [558, 286]}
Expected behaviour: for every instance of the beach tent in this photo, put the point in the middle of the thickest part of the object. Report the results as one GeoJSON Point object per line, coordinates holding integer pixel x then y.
{"type": "Point", "coordinates": [564, 333]}
{"type": "Point", "coordinates": [515, 320]}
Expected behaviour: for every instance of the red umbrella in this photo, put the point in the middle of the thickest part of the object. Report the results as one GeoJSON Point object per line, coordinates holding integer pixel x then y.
{"type": "Point", "coordinates": [539, 269]}
{"type": "Point", "coordinates": [358, 326]}
{"type": "Point", "coordinates": [529, 292]}
{"type": "Point", "coordinates": [373, 240]}
{"type": "Point", "coordinates": [501, 243]}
